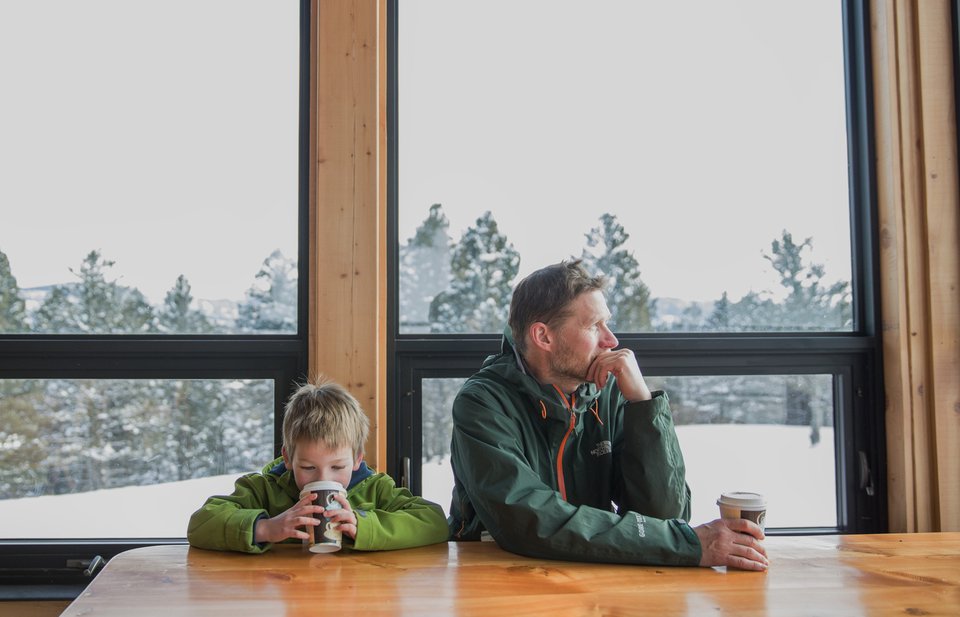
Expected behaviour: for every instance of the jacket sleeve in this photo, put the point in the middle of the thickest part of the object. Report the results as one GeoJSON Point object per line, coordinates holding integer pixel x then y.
{"type": "Point", "coordinates": [526, 516]}
{"type": "Point", "coordinates": [226, 523]}
{"type": "Point", "coordinates": [651, 463]}
{"type": "Point", "coordinates": [390, 518]}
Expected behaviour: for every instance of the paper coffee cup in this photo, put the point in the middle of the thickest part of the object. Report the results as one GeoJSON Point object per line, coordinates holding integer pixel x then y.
{"type": "Point", "coordinates": [751, 506]}
{"type": "Point", "coordinates": [326, 537]}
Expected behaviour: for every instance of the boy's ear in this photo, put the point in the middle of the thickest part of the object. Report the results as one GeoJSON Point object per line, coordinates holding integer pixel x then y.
{"type": "Point", "coordinates": [286, 459]}
{"type": "Point", "coordinates": [356, 464]}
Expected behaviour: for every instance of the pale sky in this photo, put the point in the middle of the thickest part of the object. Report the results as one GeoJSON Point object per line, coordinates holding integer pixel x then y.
{"type": "Point", "coordinates": [170, 144]}
{"type": "Point", "coordinates": [162, 133]}
{"type": "Point", "coordinates": [706, 127]}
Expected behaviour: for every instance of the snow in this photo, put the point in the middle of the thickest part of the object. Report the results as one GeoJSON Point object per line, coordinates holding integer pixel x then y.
{"type": "Point", "coordinates": [798, 480]}
{"type": "Point", "coordinates": [157, 511]}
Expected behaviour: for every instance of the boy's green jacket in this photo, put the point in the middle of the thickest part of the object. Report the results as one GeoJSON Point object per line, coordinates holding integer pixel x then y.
{"type": "Point", "coordinates": [602, 480]}
{"type": "Point", "coordinates": [388, 517]}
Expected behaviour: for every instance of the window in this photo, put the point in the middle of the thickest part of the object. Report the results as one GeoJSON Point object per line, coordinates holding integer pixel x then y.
{"type": "Point", "coordinates": [713, 161]}
{"type": "Point", "coordinates": [152, 265]}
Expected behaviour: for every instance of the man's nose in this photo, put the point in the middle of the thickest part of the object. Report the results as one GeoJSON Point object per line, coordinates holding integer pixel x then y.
{"type": "Point", "coordinates": [609, 340]}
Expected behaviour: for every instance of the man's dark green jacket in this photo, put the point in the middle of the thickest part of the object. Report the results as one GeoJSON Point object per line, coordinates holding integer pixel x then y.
{"type": "Point", "coordinates": [595, 478]}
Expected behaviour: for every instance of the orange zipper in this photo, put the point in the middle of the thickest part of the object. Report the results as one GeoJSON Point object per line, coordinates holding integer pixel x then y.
{"type": "Point", "coordinates": [563, 442]}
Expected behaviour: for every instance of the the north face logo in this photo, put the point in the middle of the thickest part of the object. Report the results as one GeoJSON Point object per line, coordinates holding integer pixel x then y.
{"type": "Point", "coordinates": [604, 447]}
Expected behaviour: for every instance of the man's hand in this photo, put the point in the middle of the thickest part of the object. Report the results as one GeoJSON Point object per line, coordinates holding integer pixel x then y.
{"type": "Point", "coordinates": [623, 365]}
{"type": "Point", "coordinates": [733, 542]}
{"type": "Point", "coordinates": [285, 525]}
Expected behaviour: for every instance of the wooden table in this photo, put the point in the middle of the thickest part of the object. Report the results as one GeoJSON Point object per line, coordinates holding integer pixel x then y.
{"type": "Point", "coordinates": [894, 574]}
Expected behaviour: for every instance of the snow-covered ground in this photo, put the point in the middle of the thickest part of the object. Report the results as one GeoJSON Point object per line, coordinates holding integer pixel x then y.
{"type": "Point", "coordinates": [797, 478]}
{"type": "Point", "coordinates": [157, 511]}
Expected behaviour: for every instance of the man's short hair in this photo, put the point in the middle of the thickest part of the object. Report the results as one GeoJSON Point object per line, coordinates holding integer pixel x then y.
{"type": "Point", "coordinates": [324, 412]}
{"type": "Point", "coordinates": [546, 294]}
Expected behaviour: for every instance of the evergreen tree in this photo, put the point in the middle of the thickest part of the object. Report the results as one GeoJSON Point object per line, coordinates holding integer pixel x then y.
{"type": "Point", "coordinates": [176, 316]}
{"type": "Point", "coordinates": [809, 305]}
{"type": "Point", "coordinates": [195, 441]}
{"type": "Point", "coordinates": [482, 267]}
{"type": "Point", "coordinates": [95, 436]}
{"type": "Point", "coordinates": [424, 270]}
{"type": "Point", "coordinates": [271, 302]}
{"type": "Point", "coordinates": [23, 444]}
{"type": "Point", "coordinates": [94, 305]}
{"type": "Point", "coordinates": [86, 441]}
{"type": "Point", "coordinates": [13, 312]}
{"type": "Point", "coordinates": [437, 422]}
{"type": "Point", "coordinates": [245, 436]}
{"type": "Point", "coordinates": [627, 296]}
{"type": "Point", "coordinates": [719, 319]}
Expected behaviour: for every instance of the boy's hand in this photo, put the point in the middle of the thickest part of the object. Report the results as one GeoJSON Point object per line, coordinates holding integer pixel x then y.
{"type": "Point", "coordinates": [345, 516]}
{"type": "Point", "coordinates": [285, 525]}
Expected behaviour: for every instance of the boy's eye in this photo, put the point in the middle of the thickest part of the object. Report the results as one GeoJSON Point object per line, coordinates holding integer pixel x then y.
{"type": "Point", "coordinates": [339, 467]}
{"type": "Point", "coordinates": [307, 468]}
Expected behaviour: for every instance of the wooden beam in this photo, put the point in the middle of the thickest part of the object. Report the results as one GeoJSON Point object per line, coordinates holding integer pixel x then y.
{"type": "Point", "coordinates": [940, 187]}
{"type": "Point", "coordinates": [347, 224]}
{"type": "Point", "coordinates": [918, 218]}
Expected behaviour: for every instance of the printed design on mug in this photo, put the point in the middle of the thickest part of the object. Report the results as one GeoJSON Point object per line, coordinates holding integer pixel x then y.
{"type": "Point", "coordinates": [331, 529]}
{"type": "Point", "coordinates": [326, 536]}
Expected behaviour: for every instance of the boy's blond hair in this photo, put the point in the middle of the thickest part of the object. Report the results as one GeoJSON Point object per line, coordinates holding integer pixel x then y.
{"type": "Point", "coordinates": [323, 411]}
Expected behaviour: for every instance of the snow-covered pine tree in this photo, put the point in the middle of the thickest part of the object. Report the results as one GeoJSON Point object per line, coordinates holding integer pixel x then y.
{"type": "Point", "coordinates": [809, 305]}
{"type": "Point", "coordinates": [424, 270]}
{"type": "Point", "coordinates": [270, 304]}
{"type": "Point", "coordinates": [627, 296]}
{"type": "Point", "coordinates": [482, 267]}
{"type": "Point", "coordinates": [176, 315]}
{"type": "Point", "coordinates": [13, 312]}
{"type": "Point", "coordinates": [95, 304]}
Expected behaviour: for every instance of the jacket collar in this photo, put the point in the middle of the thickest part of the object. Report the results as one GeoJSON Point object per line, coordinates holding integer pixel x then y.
{"type": "Point", "coordinates": [286, 480]}
{"type": "Point", "coordinates": [509, 364]}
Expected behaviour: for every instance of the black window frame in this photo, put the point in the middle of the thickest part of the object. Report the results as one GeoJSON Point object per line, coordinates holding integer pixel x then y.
{"type": "Point", "coordinates": [53, 569]}
{"type": "Point", "coordinates": [955, 19]}
{"type": "Point", "coordinates": [853, 358]}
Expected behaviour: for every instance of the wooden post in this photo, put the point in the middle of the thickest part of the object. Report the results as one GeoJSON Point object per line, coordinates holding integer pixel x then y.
{"type": "Point", "coordinates": [347, 339]}
{"type": "Point", "coordinates": [919, 216]}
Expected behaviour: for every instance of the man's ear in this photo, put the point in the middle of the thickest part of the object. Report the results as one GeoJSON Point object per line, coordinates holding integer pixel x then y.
{"type": "Point", "coordinates": [541, 336]}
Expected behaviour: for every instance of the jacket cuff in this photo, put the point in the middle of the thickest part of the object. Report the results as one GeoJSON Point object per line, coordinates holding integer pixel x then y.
{"type": "Point", "coordinates": [691, 536]}
{"type": "Point", "coordinates": [239, 531]}
{"type": "Point", "coordinates": [659, 401]}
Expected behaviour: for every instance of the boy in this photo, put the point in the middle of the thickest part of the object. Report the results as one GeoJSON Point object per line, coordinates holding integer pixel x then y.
{"type": "Point", "coordinates": [324, 430]}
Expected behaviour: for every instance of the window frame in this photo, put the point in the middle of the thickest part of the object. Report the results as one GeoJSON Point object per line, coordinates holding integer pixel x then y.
{"type": "Point", "coordinates": [955, 18]}
{"type": "Point", "coordinates": [32, 569]}
{"type": "Point", "coordinates": [852, 357]}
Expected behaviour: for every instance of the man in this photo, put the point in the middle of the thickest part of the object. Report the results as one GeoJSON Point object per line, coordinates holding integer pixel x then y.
{"type": "Point", "coordinates": [561, 451]}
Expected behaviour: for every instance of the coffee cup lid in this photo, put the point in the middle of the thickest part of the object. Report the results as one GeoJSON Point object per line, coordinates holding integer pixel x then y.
{"type": "Point", "coordinates": [322, 485]}
{"type": "Point", "coordinates": [742, 499]}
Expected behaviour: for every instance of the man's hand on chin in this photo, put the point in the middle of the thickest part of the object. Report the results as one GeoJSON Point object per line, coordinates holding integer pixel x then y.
{"type": "Point", "coordinates": [623, 365]}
